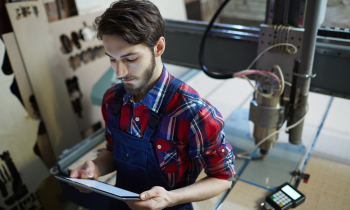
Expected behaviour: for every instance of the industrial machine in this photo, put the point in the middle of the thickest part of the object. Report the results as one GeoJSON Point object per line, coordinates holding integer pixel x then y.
{"type": "Point", "coordinates": [287, 40]}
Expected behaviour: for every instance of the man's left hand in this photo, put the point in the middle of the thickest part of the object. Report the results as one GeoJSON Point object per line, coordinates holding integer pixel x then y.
{"type": "Point", "coordinates": [153, 199]}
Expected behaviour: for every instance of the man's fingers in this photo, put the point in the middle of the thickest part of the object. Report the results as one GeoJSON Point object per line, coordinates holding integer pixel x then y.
{"type": "Point", "coordinates": [90, 168]}
{"type": "Point", "coordinates": [85, 171]}
{"type": "Point", "coordinates": [154, 192]}
{"type": "Point", "coordinates": [76, 173]}
{"type": "Point", "coordinates": [144, 196]}
{"type": "Point", "coordinates": [85, 176]}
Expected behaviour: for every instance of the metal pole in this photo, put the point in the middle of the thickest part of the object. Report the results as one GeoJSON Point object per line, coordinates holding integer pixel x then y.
{"type": "Point", "coordinates": [312, 17]}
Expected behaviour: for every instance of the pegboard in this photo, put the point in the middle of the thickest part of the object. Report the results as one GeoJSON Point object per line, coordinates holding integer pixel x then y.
{"type": "Point", "coordinates": [270, 35]}
{"type": "Point", "coordinates": [82, 62]}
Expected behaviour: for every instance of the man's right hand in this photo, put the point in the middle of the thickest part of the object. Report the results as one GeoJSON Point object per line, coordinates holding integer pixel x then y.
{"type": "Point", "coordinates": [86, 171]}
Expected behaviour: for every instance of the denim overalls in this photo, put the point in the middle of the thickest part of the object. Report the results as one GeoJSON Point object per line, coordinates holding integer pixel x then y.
{"type": "Point", "coordinates": [137, 165]}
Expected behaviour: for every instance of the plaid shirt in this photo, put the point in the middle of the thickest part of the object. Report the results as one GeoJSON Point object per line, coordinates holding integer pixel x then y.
{"type": "Point", "coordinates": [191, 135]}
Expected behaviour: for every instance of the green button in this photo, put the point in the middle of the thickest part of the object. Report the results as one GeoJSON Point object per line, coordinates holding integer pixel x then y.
{"type": "Point", "coordinates": [272, 197]}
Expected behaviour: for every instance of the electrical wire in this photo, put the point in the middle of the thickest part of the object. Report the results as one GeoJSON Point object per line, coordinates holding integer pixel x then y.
{"type": "Point", "coordinates": [270, 95]}
{"type": "Point", "coordinates": [249, 72]}
{"type": "Point", "coordinates": [273, 93]}
{"type": "Point", "coordinates": [202, 47]}
{"type": "Point", "coordinates": [246, 72]}
{"type": "Point", "coordinates": [288, 83]}
{"type": "Point", "coordinates": [201, 50]}
{"type": "Point", "coordinates": [269, 48]}
{"type": "Point", "coordinates": [241, 155]}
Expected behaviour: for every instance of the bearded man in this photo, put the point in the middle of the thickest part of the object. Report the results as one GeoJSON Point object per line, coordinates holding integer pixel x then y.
{"type": "Point", "coordinates": [160, 133]}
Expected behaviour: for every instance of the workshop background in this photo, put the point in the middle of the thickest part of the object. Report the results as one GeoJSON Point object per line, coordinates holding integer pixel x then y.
{"type": "Point", "coordinates": [54, 73]}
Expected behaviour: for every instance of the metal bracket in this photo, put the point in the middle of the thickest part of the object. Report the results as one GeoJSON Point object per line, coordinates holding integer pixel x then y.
{"type": "Point", "coordinates": [305, 76]}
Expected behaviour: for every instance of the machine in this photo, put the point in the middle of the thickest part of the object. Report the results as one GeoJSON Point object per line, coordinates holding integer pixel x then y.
{"type": "Point", "coordinates": [287, 40]}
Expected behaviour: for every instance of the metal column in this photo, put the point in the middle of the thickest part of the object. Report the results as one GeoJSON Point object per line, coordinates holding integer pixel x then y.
{"type": "Point", "coordinates": [313, 8]}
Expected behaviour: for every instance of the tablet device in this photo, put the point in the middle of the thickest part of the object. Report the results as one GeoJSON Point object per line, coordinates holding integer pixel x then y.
{"type": "Point", "coordinates": [101, 187]}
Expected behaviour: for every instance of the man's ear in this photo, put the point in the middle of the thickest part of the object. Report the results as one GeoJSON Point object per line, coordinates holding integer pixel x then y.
{"type": "Point", "coordinates": [159, 47]}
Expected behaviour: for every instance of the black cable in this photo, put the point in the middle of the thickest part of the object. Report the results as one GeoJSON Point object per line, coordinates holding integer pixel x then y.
{"type": "Point", "coordinates": [201, 50]}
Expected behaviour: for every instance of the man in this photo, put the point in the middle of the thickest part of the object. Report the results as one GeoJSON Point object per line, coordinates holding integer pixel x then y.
{"type": "Point", "coordinates": [160, 134]}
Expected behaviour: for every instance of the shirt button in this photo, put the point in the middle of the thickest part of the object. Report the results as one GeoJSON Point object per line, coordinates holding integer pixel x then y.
{"type": "Point", "coordinates": [223, 150]}
{"type": "Point", "coordinates": [137, 119]}
{"type": "Point", "coordinates": [159, 146]}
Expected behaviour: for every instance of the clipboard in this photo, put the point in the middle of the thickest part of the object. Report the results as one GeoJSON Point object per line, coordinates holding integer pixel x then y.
{"type": "Point", "coordinates": [102, 188]}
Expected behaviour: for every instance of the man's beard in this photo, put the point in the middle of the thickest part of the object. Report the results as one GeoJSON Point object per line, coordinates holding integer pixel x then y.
{"type": "Point", "coordinates": [147, 75]}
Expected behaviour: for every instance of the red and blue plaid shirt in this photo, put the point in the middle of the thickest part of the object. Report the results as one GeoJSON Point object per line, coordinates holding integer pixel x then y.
{"type": "Point", "coordinates": [191, 135]}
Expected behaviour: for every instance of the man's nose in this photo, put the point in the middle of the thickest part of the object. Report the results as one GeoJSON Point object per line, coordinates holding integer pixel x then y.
{"type": "Point", "coordinates": [121, 69]}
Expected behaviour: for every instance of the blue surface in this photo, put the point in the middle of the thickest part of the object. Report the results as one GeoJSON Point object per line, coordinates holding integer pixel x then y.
{"type": "Point", "coordinates": [279, 163]}
{"type": "Point", "coordinates": [99, 89]}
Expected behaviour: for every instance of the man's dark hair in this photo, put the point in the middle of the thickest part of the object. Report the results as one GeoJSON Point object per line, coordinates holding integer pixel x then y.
{"type": "Point", "coordinates": [135, 21]}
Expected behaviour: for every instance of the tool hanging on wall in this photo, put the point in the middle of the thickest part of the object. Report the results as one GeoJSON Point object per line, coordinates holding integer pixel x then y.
{"type": "Point", "coordinates": [3, 189]}
{"type": "Point", "coordinates": [18, 188]}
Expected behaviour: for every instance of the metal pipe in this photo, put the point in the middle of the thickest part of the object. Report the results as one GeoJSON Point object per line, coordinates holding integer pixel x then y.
{"type": "Point", "coordinates": [312, 17]}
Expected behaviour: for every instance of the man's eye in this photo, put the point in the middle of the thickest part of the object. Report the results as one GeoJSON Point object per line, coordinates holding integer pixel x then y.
{"type": "Point", "coordinates": [131, 60]}
{"type": "Point", "coordinates": [112, 60]}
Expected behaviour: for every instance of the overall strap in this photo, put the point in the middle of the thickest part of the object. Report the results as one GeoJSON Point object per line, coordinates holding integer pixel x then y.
{"type": "Point", "coordinates": [155, 118]}
{"type": "Point", "coordinates": [118, 103]}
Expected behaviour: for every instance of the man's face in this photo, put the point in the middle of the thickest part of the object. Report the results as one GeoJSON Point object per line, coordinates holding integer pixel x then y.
{"type": "Point", "coordinates": [133, 64]}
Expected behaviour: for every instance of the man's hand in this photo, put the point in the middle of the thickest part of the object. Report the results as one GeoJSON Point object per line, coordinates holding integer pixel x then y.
{"type": "Point", "coordinates": [153, 199]}
{"type": "Point", "coordinates": [85, 171]}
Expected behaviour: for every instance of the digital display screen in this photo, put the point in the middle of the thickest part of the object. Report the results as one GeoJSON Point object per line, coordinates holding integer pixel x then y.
{"type": "Point", "coordinates": [102, 188]}
{"type": "Point", "coordinates": [291, 192]}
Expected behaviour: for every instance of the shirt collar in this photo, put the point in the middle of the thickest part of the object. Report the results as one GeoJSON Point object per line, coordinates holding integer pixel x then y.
{"type": "Point", "coordinates": [154, 98]}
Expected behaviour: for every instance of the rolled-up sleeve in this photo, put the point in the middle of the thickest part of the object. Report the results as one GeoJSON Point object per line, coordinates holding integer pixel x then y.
{"type": "Point", "coordinates": [208, 145]}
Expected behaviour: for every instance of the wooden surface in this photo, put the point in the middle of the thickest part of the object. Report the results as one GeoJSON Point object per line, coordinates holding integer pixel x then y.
{"type": "Point", "coordinates": [328, 187]}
